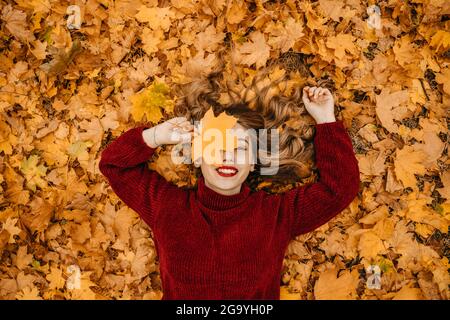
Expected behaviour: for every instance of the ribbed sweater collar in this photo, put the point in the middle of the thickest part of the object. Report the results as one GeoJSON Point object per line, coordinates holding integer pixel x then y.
{"type": "Point", "coordinates": [216, 201]}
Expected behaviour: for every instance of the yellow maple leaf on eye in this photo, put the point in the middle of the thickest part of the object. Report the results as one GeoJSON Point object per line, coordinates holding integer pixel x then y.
{"type": "Point", "coordinates": [150, 101]}
{"type": "Point", "coordinates": [213, 128]}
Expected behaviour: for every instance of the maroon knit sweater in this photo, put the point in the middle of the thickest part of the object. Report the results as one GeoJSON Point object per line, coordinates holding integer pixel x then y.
{"type": "Point", "coordinates": [212, 246]}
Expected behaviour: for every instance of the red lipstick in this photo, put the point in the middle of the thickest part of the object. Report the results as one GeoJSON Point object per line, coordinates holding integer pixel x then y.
{"type": "Point", "coordinates": [227, 171]}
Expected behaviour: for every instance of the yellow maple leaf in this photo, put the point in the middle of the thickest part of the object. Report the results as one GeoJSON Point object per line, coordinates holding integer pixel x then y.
{"type": "Point", "coordinates": [330, 287]}
{"type": "Point", "coordinates": [79, 286]}
{"type": "Point", "coordinates": [33, 172]}
{"type": "Point", "coordinates": [315, 21]}
{"type": "Point", "coordinates": [150, 101]}
{"type": "Point", "coordinates": [257, 51]}
{"type": "Point", "coordinates": [284, 35]}
{"type": "Point", "coordinates": [408, 293]}
{"type": "Point", "coordinates": [7, 139]}
{"type": "Point", "coordinates": [157, 18]}
{"type": "Point", "coordinates": [213, 128]}
{"type": "Point", "coordinates": [370, 245]}
{"type": "Point", "coordinates": [390, 106]}
{"type": "Point", "coordinates": [79, 150]}
{"type": "Point", "coordinates": [23, 259]}
{"type": "Point", "coordinates": [55, 278]}
{"type": "Point", "coordinates": [40, 49]}
{"type": "Point", "coordinates": [408, 162]}
{"type": "Point", "coordinates": [418, 211]}
{"type": "Point", "coordinates": [43, 6]}
{"type": "Point", "coordinates": [10, 226]}
{"type": "Point", "coordinates": [151, 40]}
{"type": "Point", "coordinates": [341, 44]}
{"type": "Point", "coordinates": [236, 12]}
{"type": "Point", "coordinates": [440, 40]}
{"type": "Point", "coordinates": [29, 294]}
{"type": "Point", "coordinates": [444, 79]}
{"type": "Point", "coordinates": [285, 294]}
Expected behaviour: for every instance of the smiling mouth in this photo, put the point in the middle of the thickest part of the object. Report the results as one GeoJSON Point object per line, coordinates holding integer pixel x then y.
{"type": "Point", "coordinates": [227, 171]}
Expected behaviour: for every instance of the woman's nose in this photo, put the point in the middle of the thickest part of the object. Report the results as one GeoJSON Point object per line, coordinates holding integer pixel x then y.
{"type": "Point", "coordinates": [227, 156]}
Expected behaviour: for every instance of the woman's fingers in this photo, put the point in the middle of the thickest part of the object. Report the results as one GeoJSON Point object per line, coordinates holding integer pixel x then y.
{"type": "Point", "coordinates": [183, 125]}
{"type": "Point", "coordinates": [326, 92]}
{"type": "Point", "coordinates": [305, 95]}
{"type": "Point", "coordinates": [322, 94]}
{"type": "Point", "coordinates": [186, 137]}
{"type": "Point", "coordinates": [314, 94]}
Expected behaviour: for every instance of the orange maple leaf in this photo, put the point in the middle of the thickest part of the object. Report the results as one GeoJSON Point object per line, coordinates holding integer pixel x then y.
{"type": "Point", "coordinates": [215, 129]}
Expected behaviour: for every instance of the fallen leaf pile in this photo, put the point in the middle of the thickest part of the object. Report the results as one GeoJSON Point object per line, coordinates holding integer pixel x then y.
{"type": "Point", "coordinates": [65, 93]}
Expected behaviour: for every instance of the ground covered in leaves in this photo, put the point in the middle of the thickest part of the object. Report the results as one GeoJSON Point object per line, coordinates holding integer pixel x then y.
{"type": "Point", "coordinates": [66, 93]}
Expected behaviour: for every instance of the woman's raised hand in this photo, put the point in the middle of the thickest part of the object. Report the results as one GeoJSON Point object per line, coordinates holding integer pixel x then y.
{"type": "Point", "coordinates": [319, 103]}
{"type": "Point", "coordinates": [172, 131]}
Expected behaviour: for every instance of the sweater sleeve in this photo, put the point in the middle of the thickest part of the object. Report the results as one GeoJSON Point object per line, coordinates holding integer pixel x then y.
{"type": "Point", "coordinates": [316, 203]}
{"type": "Point", "coordinates": [124, 164]}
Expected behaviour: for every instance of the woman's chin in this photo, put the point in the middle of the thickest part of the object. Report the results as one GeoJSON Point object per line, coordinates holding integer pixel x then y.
{"type": "Point", "coordinates": [226, 182]}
